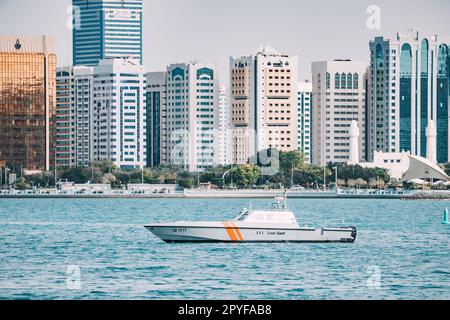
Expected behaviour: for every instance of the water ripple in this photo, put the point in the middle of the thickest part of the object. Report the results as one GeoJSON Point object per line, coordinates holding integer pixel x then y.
{"type": "Point", "coordinates": [402, 244]}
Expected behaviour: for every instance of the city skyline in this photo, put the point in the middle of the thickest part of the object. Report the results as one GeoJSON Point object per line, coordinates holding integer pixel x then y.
{"type": "Point", "coordinates": [264, 109]}
{"type": "Point", "coordinates": [313, 40]}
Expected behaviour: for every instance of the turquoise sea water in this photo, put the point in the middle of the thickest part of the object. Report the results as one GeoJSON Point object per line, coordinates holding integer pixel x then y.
{"type": "Point", "coordinates": [402, 252]}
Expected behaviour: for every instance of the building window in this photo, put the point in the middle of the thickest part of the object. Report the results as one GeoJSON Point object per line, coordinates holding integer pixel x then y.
{"type": "Point", "coordinates": [343, 80]}
{"type": "Point", "coordinates": [349, 81]}
{"type": "Point", "coordinates": [355, 81]}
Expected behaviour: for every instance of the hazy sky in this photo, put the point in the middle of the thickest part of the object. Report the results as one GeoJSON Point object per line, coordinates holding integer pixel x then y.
{"type": "Point", "coordinates": [213, 30]}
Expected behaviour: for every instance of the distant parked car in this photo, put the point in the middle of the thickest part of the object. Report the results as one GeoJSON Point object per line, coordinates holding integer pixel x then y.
{"type": "Point", "coordinates": [297, 188]}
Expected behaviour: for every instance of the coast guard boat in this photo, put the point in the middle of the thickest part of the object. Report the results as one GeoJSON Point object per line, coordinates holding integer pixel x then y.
{"type": "Point", "coordinates": [277, 224]}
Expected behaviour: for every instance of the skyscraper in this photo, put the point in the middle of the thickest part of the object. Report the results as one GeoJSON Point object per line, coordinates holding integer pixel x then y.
{"type": "Point", "coordinates": [304, 101]}
{"type": "Point", "coordinates": [65, 117]}
{"type": "Point", "coordinates": [84, 115]}
{"type": "Point", "coordinates": [339, 97]}
{"type": "Point", "coordinates": [263, 103]}
{"type": "Point", "coordinates": [74, 109]}
{"type": "Point", "coordinates": [192, 115]}
{"type": "Point", "coordinates": [27, 101]}
{"type": "Point", "coordinates": [109, 107]}
{"type": "Point", "coordinates": [409, 87]}
{"type": "Point", "coordinates": [156, 118]}
{"type": "Point", "coordinates": [106, 29]}
{"type": "Point", "coordinates": [119, 113]}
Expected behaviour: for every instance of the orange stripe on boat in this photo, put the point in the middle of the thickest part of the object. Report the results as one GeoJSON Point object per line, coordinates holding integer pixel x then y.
{"type": "Point", "coordinates": [238, 232]}
{"type": "Point", "coordinates": [230, 231]}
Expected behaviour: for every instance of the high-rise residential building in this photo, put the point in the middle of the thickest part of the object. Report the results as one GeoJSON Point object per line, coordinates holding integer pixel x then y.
{"type": "Point", "coordinates": [120, 133]}
{"type": "Point", "coordinates": [74, 109]}
{"type": "Point", "coordinates": [192, 115]}
{"type": "Point", "coordinates": [27, 101]}
{"type": "Point", "coordinates": [263, 103]}
{"type": "Point", "coordinates": [84, 115]}
{"type": "Point", "coordinates": [339, 97]}
{"type": "Point", "coordinates": [409, 87]}
{"type": "Point", "coordinates": [109, 113]}
{"type": "Point", "coordinates": [156, 118]}
{"type": "Point", "coordinates": [304, 101]}
{"type": "Point", "coordinates": [65, 117]}
{"type": "Point", "coordinates": [224, 127]}
{"type": "Point", "coordinates": [105, 29]}
{"type": "Point", "coordinates": [243, 108]}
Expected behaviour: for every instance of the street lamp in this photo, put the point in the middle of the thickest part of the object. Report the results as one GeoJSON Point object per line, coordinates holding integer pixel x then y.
{"type": "Point", "coordinates": [292, 176]}
{"type": "Point", "coordinates": [336, 177]}
{"type": "Point", "coordinates": [92, 172]}
{"type": "Point", "coordinates": [6, 176]}
{"type": "Point", "coordinates": [223, 178]}
{"type": "Point", "coordinates": [56, 170]}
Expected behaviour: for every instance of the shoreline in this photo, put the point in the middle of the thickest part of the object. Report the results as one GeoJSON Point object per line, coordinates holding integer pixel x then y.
{"type": "Point", "coordinates": [245, 194]}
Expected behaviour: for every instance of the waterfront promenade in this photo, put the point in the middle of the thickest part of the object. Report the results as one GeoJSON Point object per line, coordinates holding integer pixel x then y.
{"type": "Point", "coordinates": [229, 194]}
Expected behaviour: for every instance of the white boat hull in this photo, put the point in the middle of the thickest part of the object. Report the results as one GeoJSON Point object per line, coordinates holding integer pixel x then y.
{"type": "Point", "coordinates": [231, 233]}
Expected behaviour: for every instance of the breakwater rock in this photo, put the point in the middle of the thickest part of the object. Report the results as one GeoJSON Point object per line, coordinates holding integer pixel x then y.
{"type": "Point", "coordinates": [428, 195]}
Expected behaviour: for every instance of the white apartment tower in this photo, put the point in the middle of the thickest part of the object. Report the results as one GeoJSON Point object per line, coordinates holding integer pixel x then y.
{"type": "Point", "coordinates": [192, 115]}
{"type": "Point", "coordinates": [263, 103]}
{"type": "Point", "coordinates": [408, 90]}
{"type": "Point", "coordinates": [109, 113]}
{"type": "Point", "coordinates": [339, 97]}
{"type": "Point", "coordinates": [120, 133]}
{"type": "Point", "coordinates": [304, 101]}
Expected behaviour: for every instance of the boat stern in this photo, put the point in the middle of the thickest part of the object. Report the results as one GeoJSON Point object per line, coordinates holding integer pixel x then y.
{"type": "Point", "coordinates": [353, 235]}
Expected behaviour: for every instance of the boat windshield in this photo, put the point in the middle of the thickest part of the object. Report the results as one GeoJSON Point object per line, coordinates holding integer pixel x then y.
{"type": "Point", "coordinates": [242, 215]}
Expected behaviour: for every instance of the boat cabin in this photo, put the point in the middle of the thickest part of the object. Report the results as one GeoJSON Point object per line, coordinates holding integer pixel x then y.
{"type": "Point", "coordinates": [279, 214]}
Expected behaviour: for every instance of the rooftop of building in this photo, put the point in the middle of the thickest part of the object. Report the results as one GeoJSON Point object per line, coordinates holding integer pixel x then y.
{"type": "Point", "coordinates": [414, 36]}
{"type": "Point", "coordinates": [26, 44]}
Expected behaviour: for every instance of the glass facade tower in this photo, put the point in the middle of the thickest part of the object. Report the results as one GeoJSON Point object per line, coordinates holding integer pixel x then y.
{"type": "Point", "coordinates": [106, 29]}
{"type": "Point", "coordinates": [408, 92]}
{"type": "Point", "coordinates": [27, 101]}
{"type": "Point", "coordinates": [156, 115]}
{"type": "Point", "coordinates": [405, 97]}
{"type": "Point", "coordinates": [443, 94]}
